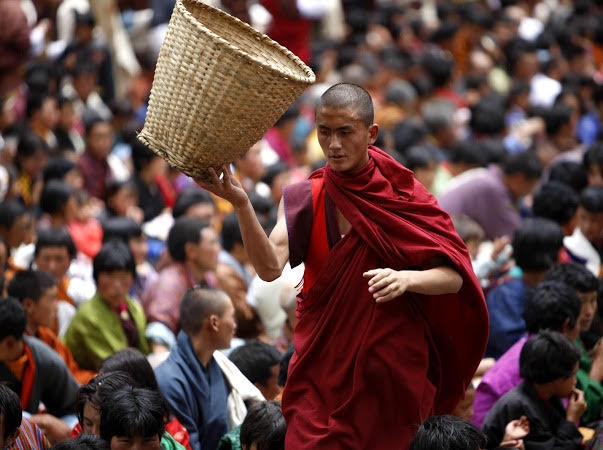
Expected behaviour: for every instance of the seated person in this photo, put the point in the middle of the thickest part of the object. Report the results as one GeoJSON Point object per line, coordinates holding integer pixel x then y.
{"type": "Point", "coordinates": [35, 372]}
{"type": "Point", "coordinates": [16, 432]}
{"type": "Point", "coordinates": [448, 433]}
{"type": "Point", "coordinates": [552, 305]}
{"type": "Point", "coordinates": [111, 320]}
{"type": "Point", "coordinates": [195, 369]}
{"type": "Point", "coordinates": [132, 418]}
{"type": "Point", "coordinates": [264, 427]}
{"type": "Point", "coordinates": [548, 364]}
{"type": "Point", "coordinates": [37, 292]}
{"type": "Point", "coordinates": [82, 442]}
{"type": "Point", "coordinates": [260, 363]}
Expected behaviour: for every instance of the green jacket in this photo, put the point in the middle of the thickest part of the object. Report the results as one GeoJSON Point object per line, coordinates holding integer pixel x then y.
{"type": "Point", "coordinates": [169, 443]}
{"type": "Point", "coordinates": [593, 391]}
{"type": "Point", "coordinates": [96, 333]}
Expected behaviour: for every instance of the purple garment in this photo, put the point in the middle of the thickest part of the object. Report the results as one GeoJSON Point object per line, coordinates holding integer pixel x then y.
{"type": "Point", "coordinates": [481, 195]}
{"type": "Point", "coordinates": [497, 381]}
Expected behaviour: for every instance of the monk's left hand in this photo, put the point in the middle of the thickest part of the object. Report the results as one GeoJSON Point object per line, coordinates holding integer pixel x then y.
{"type": "Point", "coordinates": [387, 284]}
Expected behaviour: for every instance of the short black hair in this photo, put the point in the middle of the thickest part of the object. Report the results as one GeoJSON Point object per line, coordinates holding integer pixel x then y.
{"type": "Point", "coordinates": [571, 173]}
{"type": "Point", "coordinates": [536, 244]}
{"type": "Point", "coordinates": [591, 199]}
{"type": "Point", "coordinates": [12, 318]}
{"type": "Point", "coordinates": [55, 237]}
{"type": "Point", "coordinates": [30, 284]}
{"type": "Point", "coordinates": [197, 304]}
{"type": "Point", "coordinates": [593, 155]}
{"type": "Point", "coordinates": [98, 388]}
{"type": "Point", "coordinates": [141, 155]}
{"type": "Point", "coordinates": [133, 362]}
{"type": "Point", "coordinates": [469, 151]}
{"type": "Point", "coordinates": [550, 305]}
{"type": "Point", "coordinates": [548, 356]}
{"type": "Point", "coordinates": [349, 96]}
{"type": "Point", "coordinates": [121, 228]}
{"type": "Point", "coordinates": [556, 201]}
{"type": "Point", "coordinates": [255, 360]}
{"type": "Point", "coordinates": [10, 411]}
{"type": "Point", "coordinates": [526, 163]}
{"type": "Point", "coordinates": [54, 196]}
{"type": "Point", "coordinates": [132, 412]}
{"type": "Point", "coordinates": [113, 256]}
{"type": "Point", "coordinates": [82, 442]}
{"type": "Point", "coordinates": [419, 157]}
{"type": "Point", "coordinates": [575, 275]}
{"type": "Point", "coordinates": [188, 197]}
{"type": "Point", "coordinates": [265, 426]}
{"type": "Point", "coordinates": [555, 117]}
{"type": "Point", "coordinates": [10, 210]}
{"type": "Point", "coordinates": [56, 168]}
{"type": "Point", "coordinates": [29, 144]}
{"type": "Point", "coordinates": [231, 232]}
{"type": "Point", "coordinates": [448, 433]}
{"type": "Point", "coordinates": [185, 229]}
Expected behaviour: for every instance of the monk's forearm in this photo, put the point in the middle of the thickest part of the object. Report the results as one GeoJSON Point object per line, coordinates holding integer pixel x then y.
{"type": "Point", "coordinates": [436, 281]}
{"type": "Point", "coordinates": [261, 251]}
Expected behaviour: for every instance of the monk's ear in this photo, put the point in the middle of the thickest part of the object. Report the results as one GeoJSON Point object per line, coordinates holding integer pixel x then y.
{"type": "Point", "coordinates": [213, 322]}
{"type": "Point", "coordinates": [373, 131]}
{"type": "Point", "coordinates": [27, 303]}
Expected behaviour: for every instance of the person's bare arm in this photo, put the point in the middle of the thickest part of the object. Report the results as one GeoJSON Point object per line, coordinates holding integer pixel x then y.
{"type": "Point", "coordinates": [267, 254]}
{"type": "Point", "coordinates": [387, 284]}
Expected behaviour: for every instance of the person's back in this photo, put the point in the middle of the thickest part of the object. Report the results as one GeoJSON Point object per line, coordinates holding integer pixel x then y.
{"type": "Point", "coordinates": [548, 364]}
{"type": "Point", "coordinates": [551, 305]}
{"type": "Point", "coordinates": [488, 196]}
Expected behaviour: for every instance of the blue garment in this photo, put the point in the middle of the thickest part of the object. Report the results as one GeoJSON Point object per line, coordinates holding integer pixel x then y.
{"type": "Point", "coordinates": [588, 128]}
{"type": "Point", "coordinates": [197, 396]}
{"type": "Point", "coordinates": [505, 306]}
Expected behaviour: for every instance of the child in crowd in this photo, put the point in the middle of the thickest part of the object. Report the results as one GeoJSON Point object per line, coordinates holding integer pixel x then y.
{"type": "Point", "coordinates": [548, 365]}
{"type": "Point", "coordinates": [264, 427]}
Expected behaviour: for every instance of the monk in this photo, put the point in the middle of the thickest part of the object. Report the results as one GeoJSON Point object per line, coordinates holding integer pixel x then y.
{"type": "Point", "coordinates": [392, 321]}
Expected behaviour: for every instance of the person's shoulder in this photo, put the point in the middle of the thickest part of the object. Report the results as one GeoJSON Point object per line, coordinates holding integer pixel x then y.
{"type": "Point", "coordinates": [42, 353]}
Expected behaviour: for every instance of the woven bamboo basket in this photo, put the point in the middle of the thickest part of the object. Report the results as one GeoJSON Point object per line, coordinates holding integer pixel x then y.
{"type": "Point", "coordinates": [219, 86]}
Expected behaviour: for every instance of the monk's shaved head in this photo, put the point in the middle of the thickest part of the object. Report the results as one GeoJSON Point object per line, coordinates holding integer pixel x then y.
{"type": "Point", "coordinates": [349, 96]}
{"type": "Point", "coordinates": [199, 303]}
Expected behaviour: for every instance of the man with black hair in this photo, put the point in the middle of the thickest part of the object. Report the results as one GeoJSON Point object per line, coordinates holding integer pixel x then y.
{"type": "Point", "coordinates": [54, 252]}
{"type": "Point", "coordinates": [235, 274]}
{"type": "Point", "coordinates": [559, 202]}
{"type": "Point", "coordinates": [34, 371]}
{"type": "Point", "coordinates": [490, 195]}
{"type": "Point", "coordinates": [133, 418]}
{"type": "Point", "coordinates": [260, 363]}
{"type": "Point", "coordinates": [194, 246]}
{"type": "Point", "coordinates": [13, 224]}
{"type": "Point", "coordinates": [37, 292]}
{"type": "Point", "coordinates": [548, 364]}
{"type": "Point", "coordinates": [585, 244]}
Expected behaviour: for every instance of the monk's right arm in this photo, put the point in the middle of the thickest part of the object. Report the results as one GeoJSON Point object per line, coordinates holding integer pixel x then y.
{"type": "Point", "coordinates": [267, 254]}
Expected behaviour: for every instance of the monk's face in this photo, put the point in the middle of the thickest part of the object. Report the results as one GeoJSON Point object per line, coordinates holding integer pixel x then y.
{"type": "Point", "coordinates": [344, 138]}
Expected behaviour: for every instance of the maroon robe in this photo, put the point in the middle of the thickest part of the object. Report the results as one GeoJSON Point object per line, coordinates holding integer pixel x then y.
{"type": "Point", "coordinates": [365, 374]}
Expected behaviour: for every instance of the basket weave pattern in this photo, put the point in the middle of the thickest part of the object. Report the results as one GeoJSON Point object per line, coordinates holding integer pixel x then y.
{"type": "Point", "coordinates": [219, 86]}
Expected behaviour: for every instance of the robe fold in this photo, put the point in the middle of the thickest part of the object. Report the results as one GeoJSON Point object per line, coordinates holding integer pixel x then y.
{"type": "Point", "coordinates": [365, 374]}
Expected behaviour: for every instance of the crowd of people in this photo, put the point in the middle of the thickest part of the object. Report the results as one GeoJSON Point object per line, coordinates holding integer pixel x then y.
{"type": "Point", "coordinates": [419, 234]}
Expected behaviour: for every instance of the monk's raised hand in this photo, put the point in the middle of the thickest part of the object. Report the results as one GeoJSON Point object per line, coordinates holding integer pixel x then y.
{"type": "Point", "coordinates": [386, 284]}
{"type": "Point", "coordinates": [227, 187]}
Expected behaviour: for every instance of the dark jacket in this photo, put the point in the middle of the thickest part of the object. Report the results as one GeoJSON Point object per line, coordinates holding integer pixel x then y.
{"type": "Point", "coordinates": [549, 429]}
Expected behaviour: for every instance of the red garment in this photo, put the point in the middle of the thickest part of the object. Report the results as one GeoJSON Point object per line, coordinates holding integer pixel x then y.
{"type": "Point", "coordinates": [364, 375]}
{"type": "Point", "coordinates": [289, 29]}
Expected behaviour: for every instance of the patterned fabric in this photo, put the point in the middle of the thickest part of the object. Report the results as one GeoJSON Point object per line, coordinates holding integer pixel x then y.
{"type": "Point", "coordinates": [30, 437]}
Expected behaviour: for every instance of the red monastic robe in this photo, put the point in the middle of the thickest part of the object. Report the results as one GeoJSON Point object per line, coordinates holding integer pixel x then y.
{"type": "Point", "coordinates": [365, 374]}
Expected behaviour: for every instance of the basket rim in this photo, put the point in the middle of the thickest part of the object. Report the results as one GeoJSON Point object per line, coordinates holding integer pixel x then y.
{"type": "Point", "coordinates": [309, 77]}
